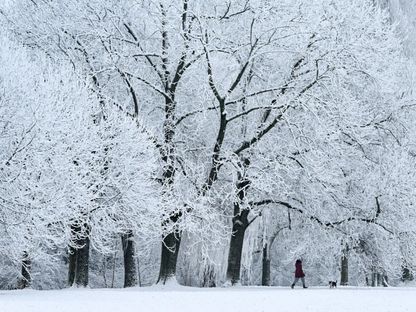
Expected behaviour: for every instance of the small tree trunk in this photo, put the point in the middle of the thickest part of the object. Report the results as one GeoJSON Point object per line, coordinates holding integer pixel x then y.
{"type": "Point", "coordinates": [265, 277]}
{"type": "Point", "coordinates": [209, 277]}
{"type": "Point", "coordinates": [138, 272]}
{"type": "Point", "coordinates": [344, 271]}
{"type": "Point", "coordinates": [373, 279]}
{"type": "Point", "coordinates": [72, 264]}
{"type": "Point", "coordinates": [130, 268]}
{"type": "Point", "coordinates": [73, 255]}
{"type": "Point", "coordinates": [385, 281]}
{"type": "Point", "coordinates": [170, 251]}
{"type": "Point", "coordinates": [379, 279]}
{"type": "Point", "coordinates": [82, 266]}
{"type": "Point", "coordinates": [26, 279]}
{"type": "Point", "coordinates": [113, 273]}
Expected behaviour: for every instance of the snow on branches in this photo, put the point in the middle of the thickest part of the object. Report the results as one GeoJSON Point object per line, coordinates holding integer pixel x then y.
{"type": "Point", "coordinates": [206, 118]}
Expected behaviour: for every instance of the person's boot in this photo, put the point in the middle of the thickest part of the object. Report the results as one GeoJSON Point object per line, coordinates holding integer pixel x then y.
{"type": "Point", "coordinates": [291, 286]}
{"type": "Point", "coordinates": [305, 286]}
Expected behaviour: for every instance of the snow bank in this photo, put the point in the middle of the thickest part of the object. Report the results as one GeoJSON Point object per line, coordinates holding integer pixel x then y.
{"type": "Point", "coordinates": [183, 299]}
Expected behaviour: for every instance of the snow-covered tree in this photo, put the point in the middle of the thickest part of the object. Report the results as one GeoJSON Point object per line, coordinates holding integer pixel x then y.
{"type": "Point", "coordinates": [74, 171]}
{"type": "Point", "coordinates": [270, 121]}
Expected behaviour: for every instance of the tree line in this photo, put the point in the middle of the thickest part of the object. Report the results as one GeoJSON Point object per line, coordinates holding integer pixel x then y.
{"type": "Point", "coordinates": [227, 133]}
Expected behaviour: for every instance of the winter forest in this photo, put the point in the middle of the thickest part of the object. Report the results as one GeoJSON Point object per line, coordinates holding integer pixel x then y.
{"type": "Point", "coordinates": [207, 143]}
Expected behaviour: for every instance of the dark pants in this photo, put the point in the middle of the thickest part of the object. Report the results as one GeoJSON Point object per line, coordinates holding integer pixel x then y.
{"type": "Point", "coordinates": [297, 279]}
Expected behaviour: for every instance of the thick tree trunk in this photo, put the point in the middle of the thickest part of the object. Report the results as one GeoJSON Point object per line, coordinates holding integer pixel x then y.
{"type": "Point", "coordinates": [265, 277]}
{"type": "Point", "coordinates": [26, 279]}
{"type": "Point", "coordinates": [78, 258]}
{"type": "Point", "coordinates": [344, 271]}
{"type": "Point", "coordinates": [73, 255]}
{"type": "Point", "coordinates": [171, 242]}
{"type": "Point", "coordinates": [236, 247]}
{"type": "Point", "coordinates": [72, 265]}
{"type": "Point", "coordinates": [82, 263]}
{"type": "Point", "coordinates": [344, 266]}
{"type": "Point", "coordinates": [130, 267]}
{"type": "Point", "coordinates": [170, 251]}
{"type": "Point", "coordinates": [240, 224]}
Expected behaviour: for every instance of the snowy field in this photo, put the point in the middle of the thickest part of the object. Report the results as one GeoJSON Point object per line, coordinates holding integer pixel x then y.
{"type": "Point", "coordinates": [183, 299]}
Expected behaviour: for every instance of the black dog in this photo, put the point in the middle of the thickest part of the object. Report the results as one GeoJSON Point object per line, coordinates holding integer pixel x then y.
{"type": "Point", "coordinates": [333, 284]}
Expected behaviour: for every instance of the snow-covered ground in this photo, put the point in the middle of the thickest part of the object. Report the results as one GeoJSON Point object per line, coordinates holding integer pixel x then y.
{"type": "Point", "coordinates": [183, 299]}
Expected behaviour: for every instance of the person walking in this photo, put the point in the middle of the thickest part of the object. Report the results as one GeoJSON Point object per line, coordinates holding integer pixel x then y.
{"type": "Point", "coordinates": [299, 274]}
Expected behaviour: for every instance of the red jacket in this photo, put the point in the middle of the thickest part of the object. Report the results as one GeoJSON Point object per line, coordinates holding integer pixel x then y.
{"type": "Point", "coordinates": [299, 272]}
